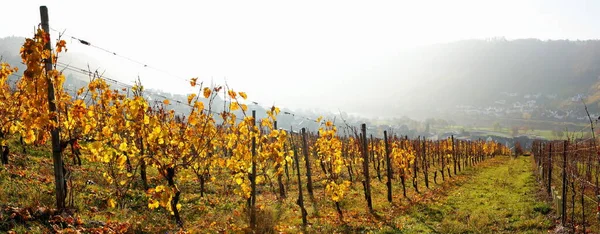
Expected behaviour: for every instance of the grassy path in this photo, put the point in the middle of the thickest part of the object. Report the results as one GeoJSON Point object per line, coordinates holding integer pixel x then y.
{"type": "Point", "coordinates": [500, 197]}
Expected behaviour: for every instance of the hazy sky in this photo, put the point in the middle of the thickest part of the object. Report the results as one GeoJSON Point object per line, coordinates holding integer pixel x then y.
{"type": "Point", "coordinates": [301, 54]}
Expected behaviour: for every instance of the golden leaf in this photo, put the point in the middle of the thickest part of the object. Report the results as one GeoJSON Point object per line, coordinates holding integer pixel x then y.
{"type": "Point", "coordinates": [206, 92]}
{"type": "Point", "coordinates": [112, 203]}
{"type": "Point", "coordinates": [243, 95]}
{"type": "Point", "coordinates": [123, 146]}
{"type": "Point", "coordinates": [191, 97]}
{"type": "Point", "coordinates": [153, 204]}
{"type": "Point", "coordinates": [233, 106]}
{"type": "Point", "coordinates": [193, 81]}
{"type": "Point", "coordinates": [29, 137]}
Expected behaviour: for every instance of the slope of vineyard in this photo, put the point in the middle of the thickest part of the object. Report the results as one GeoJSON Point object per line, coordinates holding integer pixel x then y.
{"type": "Point", "coordinates": [110, 160]}
{"type": "Point", "coordinates": [27, 183]}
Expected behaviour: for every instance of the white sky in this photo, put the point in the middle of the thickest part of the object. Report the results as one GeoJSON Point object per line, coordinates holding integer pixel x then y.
{"type": "Point", "coordinates": [302, 54]}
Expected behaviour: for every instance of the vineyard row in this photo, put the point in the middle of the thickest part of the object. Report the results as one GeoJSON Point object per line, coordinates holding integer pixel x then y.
{"type": "Point", "coordinates": [127, 136]}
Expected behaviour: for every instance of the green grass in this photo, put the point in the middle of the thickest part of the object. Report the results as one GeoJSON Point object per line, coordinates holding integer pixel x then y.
{"type": "Point", "coordinates": [501, 198]}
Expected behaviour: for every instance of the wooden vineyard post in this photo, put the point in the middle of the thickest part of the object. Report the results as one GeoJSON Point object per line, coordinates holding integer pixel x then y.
{"type": "Point", "coordinates": [459, 156]}
{"type": "Point", "coordinates": [583, 206]}
{"type": "Point", "coordinates": [371, 142]}
{"type": "Point", "coordinates": [59, 178]}
{"type": "Point", "coordinates": [453, 154]}
{"type": "Point", "coordinates": [573, 203]}
{"type": "Point", "coordinates": [253, 177]}
{"type": "Point", "coordinates": [467, 155]}
{"type": "Point", "coordinates": [402, 171]}
{"type": "Point", "coordinates": [287, 170]}
{"type": "Point", "coordinates": [143, 166]}
{"type": "Point", "coordinates": [436, 161]}
{"type": "Point", "coordinates": [582, 184]}
{"type": "Point", "coordinates": [475, 153]}
{"type": "Point", "coordinates": [550, 170]}
{"type": "Point", "coordinates": [443, 159]}
{"type": "Point", "coordinates": [389, 167]}
{"type": "Point", "coordinates": [424, 145]}
{"type": "Point", "coordinates": [469, 161]}
{"type": "Point", "coordinates": [564, 185]}
{"type": "Point", "coordinates": [307, 161]}
{"type": "Point", "coordinates": [415, 165]}
{"type": "Point", "coordinates": [367, 179]}
{"type": "Point", "coordinates": [380, 161]}
{"type": "Point", "coordinates": [300, 201]}
{"type": "Point", "coordinates": [467, 150]}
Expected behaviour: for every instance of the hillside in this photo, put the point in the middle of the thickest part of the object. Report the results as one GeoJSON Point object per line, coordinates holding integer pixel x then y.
{"type": "Point", "coordinates": [443, 206]}
{"type": "Point", "coordinates": [516, 79]}
{"type": "Point", "coordinates": [545, 80]}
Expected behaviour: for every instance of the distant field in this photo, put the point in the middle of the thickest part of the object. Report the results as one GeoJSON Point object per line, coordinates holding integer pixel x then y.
{"type": "Point", "coordinates": [506, 132]}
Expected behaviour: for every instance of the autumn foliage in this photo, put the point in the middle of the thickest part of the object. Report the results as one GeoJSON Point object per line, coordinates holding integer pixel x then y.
{"type": "Point", "coordinates": [126, 136]}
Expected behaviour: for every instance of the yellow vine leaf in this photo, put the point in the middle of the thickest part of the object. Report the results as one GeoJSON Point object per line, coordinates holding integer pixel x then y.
{"type": "Point", "coordinates": [233, 106]}
{"type": "Point", "coordinates": [62, 44]}
{"type": "Point", "coordinates": [191, 97]}
{"type": "Point", "coordinates": [29, 136]}
{"type": "Point", "coordinates": [232, 94]}
{"type": "Point", "coordinates": [153, 204]}
{"type": "Point", "coordinates": [243, 95]}
{"type": "Point", "coordinates": [112, 203]}
{"type": "Point", "coordinates": [123, 146]}
{"type": "Point", "coordinates": [206, 92]}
